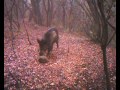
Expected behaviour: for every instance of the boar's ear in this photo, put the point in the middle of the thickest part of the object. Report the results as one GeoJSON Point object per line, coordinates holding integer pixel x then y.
{"type": "Point", "coordinates": [38, 40]}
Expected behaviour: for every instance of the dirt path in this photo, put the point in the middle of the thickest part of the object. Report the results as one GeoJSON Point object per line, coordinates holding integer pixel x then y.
{"type": "Point", "coordinates": [76, 59]}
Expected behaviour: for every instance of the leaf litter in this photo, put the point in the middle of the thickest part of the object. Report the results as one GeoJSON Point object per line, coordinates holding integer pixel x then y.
{"type": "Point", "coordinates": [76, 64]}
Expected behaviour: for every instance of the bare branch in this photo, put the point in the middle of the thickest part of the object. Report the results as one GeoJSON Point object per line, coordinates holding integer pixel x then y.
{"type": "Point", "coordinates": [111, 38]}
{"type": "Point", "coordinates": [109, 10]}
{"type": "Point", "coordinates": [113, 27]}
{"type": "Point", "coordinates": [88, 13]}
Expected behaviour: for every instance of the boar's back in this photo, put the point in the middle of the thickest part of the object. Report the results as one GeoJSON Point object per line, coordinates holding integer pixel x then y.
{"type": "Point", "coordinates": [51, 35]}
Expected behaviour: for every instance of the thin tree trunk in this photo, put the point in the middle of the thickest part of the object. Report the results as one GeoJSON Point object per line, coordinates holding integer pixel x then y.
{"type": "Point", "coordinates": [70, 16]}
{"type": "Point", "coordinates": [36, 10]}
{"type": "Point", "coordinates": [64, 16]}
{"type": "Point", "coordinates": [25, 27]}
{"type": "Point", "coordinates": [48, 14]}
{"type": "Point", "coordinates": [106, 69]}
{"type": "Point", "coordinates": [27, 33]}
{"type": "Point", "coordinates": [11, 29]}
{"type": "Point", "coordinates": [51, 11]}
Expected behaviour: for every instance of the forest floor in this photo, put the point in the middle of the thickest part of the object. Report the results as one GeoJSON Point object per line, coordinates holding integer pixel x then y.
{"type": "Point", "coordinates": [76, 65]}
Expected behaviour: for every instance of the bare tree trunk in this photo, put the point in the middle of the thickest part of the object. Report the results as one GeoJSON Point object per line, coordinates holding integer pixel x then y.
{"type": "Point", "coordinates": [49, 11]}
{"type": "Point", "coordinates": [17, 15]}
{"type": "Point", "coordinates": [36, 10]}
{"type": "Point", "coordinates": [97, 12]}
{"type": "Point", "coordinates": [11, 27]}
{"type": "Point", "coordinates": [104, 41]}
{"type": "Point", "coordinates": [48, 14]}
{"type": "Point", "coordinates": [25, 26]}
{"type": "Point", "coordinates": [63, 18]}
{"type": "Point", "coordinates": [27, 33]}
{"type": "Point", "coordinates": [30, 15]}
{"type": "Point", "coordinates": [70, 15]}
{"type": "Point", "coordinates": [106, 68]}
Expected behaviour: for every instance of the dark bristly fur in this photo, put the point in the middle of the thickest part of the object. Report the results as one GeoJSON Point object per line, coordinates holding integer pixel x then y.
{"type": "Point", "coordinates": [46, 43]}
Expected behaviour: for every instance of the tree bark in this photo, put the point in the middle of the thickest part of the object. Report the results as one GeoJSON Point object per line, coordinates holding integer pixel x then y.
{"type": "Point", "coordinates": [36, 10]}
{"type": "Point", "coordinates": [48, 14]}
{"type": "Point", "coordinates": [106, 68]}
{"type": "Point", "coordinates": [97, 10]}
{"type": "Point", "coordinates": [49, 11]}
{"type": "Point", "coordinates": [63, 16]}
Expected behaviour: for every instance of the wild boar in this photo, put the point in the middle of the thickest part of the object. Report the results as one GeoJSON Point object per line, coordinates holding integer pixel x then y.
{"type": "Point", "coordinates": [47, 41]}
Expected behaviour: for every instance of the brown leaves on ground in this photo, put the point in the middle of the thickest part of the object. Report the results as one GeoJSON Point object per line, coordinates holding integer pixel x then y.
{"type": "Point", "coordinates": [76, 64]}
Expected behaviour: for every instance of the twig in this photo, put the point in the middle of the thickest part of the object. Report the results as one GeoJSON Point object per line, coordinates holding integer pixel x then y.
{"type": "Point", "coordinates": [111, 38]}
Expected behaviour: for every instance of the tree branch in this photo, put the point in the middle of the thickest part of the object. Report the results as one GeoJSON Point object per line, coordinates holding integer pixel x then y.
{"type": "Point", "coordinates": [111, 38]}
{"type": "Point", "coordinates": [113, 27]}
